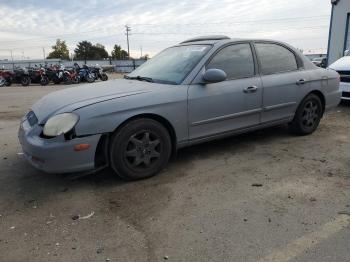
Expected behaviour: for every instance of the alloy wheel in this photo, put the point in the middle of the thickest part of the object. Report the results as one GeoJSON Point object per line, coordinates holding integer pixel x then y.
{"type": "Point", "coordinates": [311, 114]}
{"type": "Point", "coordinates": [143, 150]}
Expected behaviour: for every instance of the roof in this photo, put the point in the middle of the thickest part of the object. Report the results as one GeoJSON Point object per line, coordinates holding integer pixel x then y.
{"type": "Point", "coordinates": [206, 38]}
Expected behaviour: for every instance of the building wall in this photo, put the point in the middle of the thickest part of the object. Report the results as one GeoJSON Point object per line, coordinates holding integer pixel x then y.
{"type": "Point", "coordinates": [338, 29]}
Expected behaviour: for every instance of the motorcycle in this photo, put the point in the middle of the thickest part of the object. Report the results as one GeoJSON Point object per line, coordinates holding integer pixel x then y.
{"type": "Point", "coordinates": [51, 73]}
{"type": "Point", "coordinates": [98, 73]}
{"type": "Point", "coordinates": [86, 74]}
{"type": "Point", "coordinates": [38, 75]}
{"type": "Point", "coordinates": [56, 74]}
{"type": "Point", "coordinates": [71, 76]}
{"type": "Point", "coordinates": [18, 75]}
{"type": "Point", "coordinates": [7, 77]}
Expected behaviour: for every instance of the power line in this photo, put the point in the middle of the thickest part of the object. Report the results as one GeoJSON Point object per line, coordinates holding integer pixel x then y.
{"type": "Point", "coordinates": [179, 34]}
{"type": "Point", "coordinates": [237, 22]}
{"type": "Point", "coordinates": [175, 24]}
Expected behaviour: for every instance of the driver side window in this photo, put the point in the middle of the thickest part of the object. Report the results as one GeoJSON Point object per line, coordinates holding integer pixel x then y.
{"type": "Point", "coordinates": [236, 60]}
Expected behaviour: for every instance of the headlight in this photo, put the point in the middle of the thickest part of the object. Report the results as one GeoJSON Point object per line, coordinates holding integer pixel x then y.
{"type": "Point", "coordinates": [60, 124]}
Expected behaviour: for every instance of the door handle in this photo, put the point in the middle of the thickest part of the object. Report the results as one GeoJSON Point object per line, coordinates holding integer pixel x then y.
{"type": "Point", "coordinates": [250, 89]}
{"type": "Point", "coordinates": [301, 81]}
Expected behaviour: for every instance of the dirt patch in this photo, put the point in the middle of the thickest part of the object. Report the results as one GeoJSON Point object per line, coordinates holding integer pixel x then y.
{"type": "Point", "coordinates": [11, 115]}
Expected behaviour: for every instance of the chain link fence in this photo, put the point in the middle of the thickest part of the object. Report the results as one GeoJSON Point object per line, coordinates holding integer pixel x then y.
{"type": "Point", "coordinates": [121, 66]}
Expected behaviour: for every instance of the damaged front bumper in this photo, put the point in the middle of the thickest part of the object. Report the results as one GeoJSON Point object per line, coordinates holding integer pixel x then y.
{"type": "Point", "coordinates": [56, 155]}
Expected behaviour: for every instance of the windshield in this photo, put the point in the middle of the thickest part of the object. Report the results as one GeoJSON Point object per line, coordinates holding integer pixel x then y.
{"type": "Point", "coordinates": [171, 65]}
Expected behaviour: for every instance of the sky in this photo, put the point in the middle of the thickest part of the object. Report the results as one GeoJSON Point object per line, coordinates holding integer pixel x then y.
{"type": "Point", "coordinates": [28, 27]}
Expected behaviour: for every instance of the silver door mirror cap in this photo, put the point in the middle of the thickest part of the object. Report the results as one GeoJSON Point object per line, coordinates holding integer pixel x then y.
{"type": "Point", "coordinates": [214, 76]}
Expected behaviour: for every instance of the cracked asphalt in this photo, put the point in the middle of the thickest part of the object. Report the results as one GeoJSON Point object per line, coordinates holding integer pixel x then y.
{"type": "Point", "coordinates": [203, 207]}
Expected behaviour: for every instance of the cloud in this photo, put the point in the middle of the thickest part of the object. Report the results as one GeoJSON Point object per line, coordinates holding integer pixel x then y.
{"type": "Point", "coordinates": [27, 26]}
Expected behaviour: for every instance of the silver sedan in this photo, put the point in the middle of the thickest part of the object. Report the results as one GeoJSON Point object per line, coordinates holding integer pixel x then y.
{"type": "Point", "coordinates": [202, 89]}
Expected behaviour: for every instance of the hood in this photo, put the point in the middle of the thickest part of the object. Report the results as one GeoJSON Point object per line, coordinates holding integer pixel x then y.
{"type": "Point", "coordinates": [70, 99]}
{"type": "Point", "coordinates": [342, 64]}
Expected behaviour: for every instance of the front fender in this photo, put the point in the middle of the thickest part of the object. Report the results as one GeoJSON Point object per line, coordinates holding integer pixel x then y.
{"type": "Point", "coordinates": [107, 116]}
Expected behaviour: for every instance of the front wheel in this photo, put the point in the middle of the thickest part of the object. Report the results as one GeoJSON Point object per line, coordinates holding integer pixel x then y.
{"type": "Point", "coordinates": [140, 149]}
{"type": "Point", "coordinates": [307, 116]}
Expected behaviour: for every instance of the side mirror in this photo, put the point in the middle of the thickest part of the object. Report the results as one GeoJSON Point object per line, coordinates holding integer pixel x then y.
{"type": "Point", "coordinates": [346, 52]}
{"type": "Point", "coordinates": [214, 76]}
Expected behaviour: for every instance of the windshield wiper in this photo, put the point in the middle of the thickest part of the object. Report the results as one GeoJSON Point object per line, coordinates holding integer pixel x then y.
{"type": "Point", "coordinates": [140, 78]}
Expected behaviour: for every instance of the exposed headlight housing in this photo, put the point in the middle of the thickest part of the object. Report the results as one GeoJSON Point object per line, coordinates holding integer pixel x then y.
{"type": "Point", "coordinates": [60, 124]}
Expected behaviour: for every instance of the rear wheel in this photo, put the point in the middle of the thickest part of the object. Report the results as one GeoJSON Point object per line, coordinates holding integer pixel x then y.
{"type": "Point", "coordinates": [90, 78]}
{"type": "Point", "coordinates": [307, 116]}
{"type": "Point", "coordinates": [44, 81]}
{"type": "Point", "coordinates": [8, 82]}
{"type": "Point", "coordinates": [25, 81]}
{"type": "Point", "coordinates": [2, 81]}
{"type": "Point", "coordinates": [104, 77]}
{"type": "Point", "coordinates": [76, 79]}
{"type": "Point", "coordinates": [140, 149]}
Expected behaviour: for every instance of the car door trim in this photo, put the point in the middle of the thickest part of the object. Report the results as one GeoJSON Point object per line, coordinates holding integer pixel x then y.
{"type": "Point", "coordinates": [243, 130]}
{"type": "Point", "coordinates": [268, 108]}
{"type": "Point", "coordinates": [222, 118]}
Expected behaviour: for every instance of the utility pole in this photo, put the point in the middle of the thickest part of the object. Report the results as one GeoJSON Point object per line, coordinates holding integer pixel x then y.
{"type": "Point", "coordinates": [13, 64]}
{"type": "Point", "coordinates": [44, 53]}
{"type": "Point", "coordinates": [141, 51]}
{"type": "Point", "coordinates": [128, 29]}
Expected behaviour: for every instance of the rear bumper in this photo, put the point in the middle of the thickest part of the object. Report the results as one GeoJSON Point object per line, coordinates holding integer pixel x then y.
{"type": "Point", "coordinates": [56, 155]}
{"type": "Point", "coordinates": [345, 89]}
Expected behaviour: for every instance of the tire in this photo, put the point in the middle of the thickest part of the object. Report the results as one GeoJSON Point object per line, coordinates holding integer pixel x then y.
{"type": "Point", "coordinates": [307, 116]}
{"type": "Point", "coordinates": [76, 80]}
{"type": "Point", "coordinates": [104, 77]}
{"type": "Point", "coordinates": [56, 80]}
{"type": "Point", "coordinates": [44, 81]}
{"type": "Point", "coordinates": [25, 81]}
{"type": "Point", "coordinates": [66, 80]}
{"type": "Point", "coordinates": [8, 83]}
{"type": "Point", "coordinates": [2, 82]}
{"type": "Point", "coordinates": [90, 78]}
{"type": "Point", "coordinates": [140, 149]}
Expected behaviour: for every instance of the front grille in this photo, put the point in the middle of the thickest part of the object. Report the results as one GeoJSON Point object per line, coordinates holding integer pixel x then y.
{"type": "Point", "coordinates": [346, 94]}
{"type": "Point", "coordinates": [32, 119]}
{"type": "Point", "coordinates": [344, 76]}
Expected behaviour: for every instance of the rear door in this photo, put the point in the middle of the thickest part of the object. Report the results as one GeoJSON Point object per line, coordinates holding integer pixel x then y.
{"type": "Point", "coordinates": [281, 77]}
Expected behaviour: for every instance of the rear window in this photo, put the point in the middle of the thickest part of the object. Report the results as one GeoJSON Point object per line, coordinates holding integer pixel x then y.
{"type": "Point", "coordinates": [275, 58]}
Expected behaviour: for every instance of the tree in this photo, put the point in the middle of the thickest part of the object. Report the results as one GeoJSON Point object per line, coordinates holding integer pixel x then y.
{"type": "Point", "coordinates": [86, 50]}
{"type": "Point", "coordinates": [60, 50]}
{"type": "Point", "coordinates": [119, 53]}
{"type": "Point", "coordinates": [145, 57]}
{"type": "Point", "coordinates": [99, 51]}
{"type": "Point", "coordinates": [83, 50]}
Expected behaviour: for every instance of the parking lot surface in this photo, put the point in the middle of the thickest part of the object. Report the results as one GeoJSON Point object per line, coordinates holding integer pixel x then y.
{"type": "Point", "coordinates": [262, 196]}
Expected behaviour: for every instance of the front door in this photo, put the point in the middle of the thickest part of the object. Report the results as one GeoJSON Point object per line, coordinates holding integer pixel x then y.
{"type": "Point", "coordinates": [217, 108]}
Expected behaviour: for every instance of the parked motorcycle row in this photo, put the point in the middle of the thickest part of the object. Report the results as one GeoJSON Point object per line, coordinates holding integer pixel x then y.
{"type": "Point", "coordinates": [56, 74]}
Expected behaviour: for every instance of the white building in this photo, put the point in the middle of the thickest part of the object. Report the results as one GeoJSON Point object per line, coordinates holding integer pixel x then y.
{"type": "Point", "coordinates": [339, 30]}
